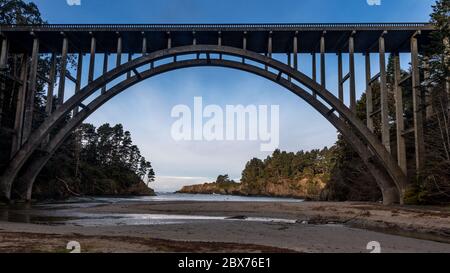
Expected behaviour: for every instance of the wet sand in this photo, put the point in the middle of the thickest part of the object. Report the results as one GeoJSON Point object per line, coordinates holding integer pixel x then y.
{"type": "Point", "coordinates": [315, 227]}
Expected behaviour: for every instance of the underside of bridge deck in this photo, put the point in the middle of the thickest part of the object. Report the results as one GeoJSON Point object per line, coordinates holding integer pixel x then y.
{"type": "Point", "coordinates": [207, 45]}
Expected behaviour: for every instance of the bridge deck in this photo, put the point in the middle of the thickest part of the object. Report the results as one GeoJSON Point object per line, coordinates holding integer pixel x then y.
{"type": "Point", "coordinates": [366, 36]}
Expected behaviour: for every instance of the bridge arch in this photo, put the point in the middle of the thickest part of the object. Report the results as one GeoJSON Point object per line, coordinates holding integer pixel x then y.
{"type": "Point", "coordinates": [390, 178]}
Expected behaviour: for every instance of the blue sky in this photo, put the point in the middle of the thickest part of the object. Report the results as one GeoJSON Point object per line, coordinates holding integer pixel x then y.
{"type": "Point", "coordinates": [145, 108]}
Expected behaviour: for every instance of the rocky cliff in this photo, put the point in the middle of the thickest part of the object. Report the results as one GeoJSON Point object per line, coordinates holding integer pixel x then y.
{"type": "Point", "coordinates": [306, 188]}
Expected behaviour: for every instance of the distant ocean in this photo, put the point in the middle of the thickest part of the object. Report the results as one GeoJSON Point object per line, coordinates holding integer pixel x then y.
{"type": "Point", "coordinates": [160, 197]}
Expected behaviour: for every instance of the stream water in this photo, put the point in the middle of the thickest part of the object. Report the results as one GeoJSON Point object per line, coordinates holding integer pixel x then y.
{"type": "Point", "coordinates": [68, 211]}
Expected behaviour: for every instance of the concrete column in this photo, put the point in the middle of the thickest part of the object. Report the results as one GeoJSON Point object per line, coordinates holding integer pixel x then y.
{"type": "Point", "coordinates": [78, 80]}
{"type": "Point", "coordinates": [219, 42]}
{"type": "Point", "coordinates": [105, 68]}
{"type": "Point", "coordinates": [428, 97]}
{"type": "Point", "coordinates": [351, 50]}
{"type": "Point", "coordinates": [3, 61]}
{"type": "Point", "coordinates": [50, 89]}
{"type": "Point", "coordinates": [4, 53]}
{"type": "Point", "coordinates": [244, 44]}
{"type": "Point", "coordinates": [399, 115]}
{"type": "Point", "coordinates": [92, 60]}
{"type": "Point", "coordinates": [295, 50]}
{"type": "Point", "coordinates": [385, 136]}
{"type": "Point", "coordinates": [119, 51]}
{"type": "Point", "coordinates": [194, 42]}
{"type": "Point", "coordinates": [269, 48]}
{"type": "Point", "coordinates": [289, 63]}
{"type": "Point", "coordinates": [62, 74]}
{"type": "Point", "coordinates": [51, 86]}
{"type": "Point", "coordinates": [20, 108]}
{"type": "Point", "coordinates": [29, 102]}
{"type": "Point", "coordinates": [169, 40]}
{"type": "Point", "coordinates": [314, 71]}
{"type": "Point", "coordinates": [314, 67]}
{"type": "Point", "coordinates": [322, 61]}
{"type": "Point", "coordinates": [130, 58]}
{"type": "Point", "coordinates": [369, 96]}
{"type": "Point", "coordinates": [417, 106]}
{"type": "Point", "coordinates": [340, 77]}
{"type": "Point", "coordinates": [144, 44]}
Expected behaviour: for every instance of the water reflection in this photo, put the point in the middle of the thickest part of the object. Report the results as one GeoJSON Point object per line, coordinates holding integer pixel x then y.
{"type": "Point", "coordinates": [67, 212]}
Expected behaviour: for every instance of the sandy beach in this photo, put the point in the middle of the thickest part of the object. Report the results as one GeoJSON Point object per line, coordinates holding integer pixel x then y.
{"type": "Point", "coordinates": [295, 227]}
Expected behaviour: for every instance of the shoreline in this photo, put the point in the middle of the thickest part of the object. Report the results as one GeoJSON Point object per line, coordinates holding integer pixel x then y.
{"type": "Point", "coordinates": [421, 222]}
{"type": "Point", "coordinates": [315, 227]}
{"type": "Point", "coordinates": [295, 197]}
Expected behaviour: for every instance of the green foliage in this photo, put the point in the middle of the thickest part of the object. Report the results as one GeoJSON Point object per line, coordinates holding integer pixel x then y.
{"type": "Point", "coordinates": [19, 12]}
{"type": "Point", "coordinates": [95, 162]}
{"type": "Point", "coordinates": [284, 166]}
{"type": "Point", "coordinates": [223, 179]}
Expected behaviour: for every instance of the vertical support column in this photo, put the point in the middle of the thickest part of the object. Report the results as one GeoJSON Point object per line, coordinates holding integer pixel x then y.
{"type": "Point", "coordinates": [269, 47]}
{"type": "Point", "coordinates": [417, 106]}
{"type": "Point", "coordinates": [3, 61]}
{"type": "Point", "coordinates": [92, 60]}
{"type": "Point", "coordinates": [314, 67]}
{"type": "Point", "coordinates": [340, 77]}
{"type": "Point", "coordinates": [20, 108]}
{"type": "Point", "coordinates": [51, 86]}
{"type": "Point", "coordinates": [130, 58]}
{"type": "Point", "coordinates": [105, 68]}
{"type": "Point", "coordinates": [62, 74]}
{"type": "Point", "coordinates": [4, 53]}
{"type": "Point", "coordinates": [194, 42]}
{"type": "Point", "coordinates": [50, 89]}
{"type": "Point", "coordinates": [289, 63]}
{"type": "Point", "coordinates": [369, 96]}
{"type": "Point", "coordinates": [295, 50]}
{"type": "Point", "coordinates": [244, 44]}
{"type": "Point", "coordinates": [219, 42]}
{"type": "Point", "coordinates": [78, 80]}
{"type": "Point", "coordinates": [29, 102]}
{"type": "Point", "coordinates": [351, 50]}
{"type": "Point", "coordinates": [169, 40]}
{"type": "Point", "coordinates": [399, 115]}
{"type": "Point", "coordinates": [119, 50]}
{"type": "Point", "coordinates": [314, 71]}
{"type": "Point", "coordinates": [144, 44]}
{"type": "Point", "coordinates": [428, 97]}
{"type": "Point", "coordinates": [322, 60]}
{"type": "Point", "coordinates": [169, 44]}
{"type": "Point", "coordinates": [385, 135]}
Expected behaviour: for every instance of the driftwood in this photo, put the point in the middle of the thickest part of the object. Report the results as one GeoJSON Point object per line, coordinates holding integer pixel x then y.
{"type": "Point", "coordinates": [67, 187]}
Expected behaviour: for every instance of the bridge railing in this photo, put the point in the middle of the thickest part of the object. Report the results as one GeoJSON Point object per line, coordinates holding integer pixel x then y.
{"type": "Point", "coordinates": [283, 26]}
